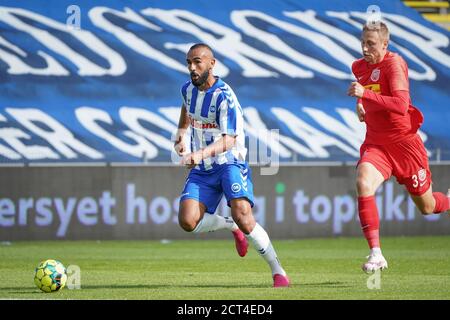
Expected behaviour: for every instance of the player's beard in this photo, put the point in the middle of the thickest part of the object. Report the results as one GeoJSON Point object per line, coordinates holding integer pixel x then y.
{"type": "Point", "coordinates": [201, 79]}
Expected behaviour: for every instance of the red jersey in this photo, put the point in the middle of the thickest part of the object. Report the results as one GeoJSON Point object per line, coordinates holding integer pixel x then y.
{"type": "Point", "coordinates": [386, 119]}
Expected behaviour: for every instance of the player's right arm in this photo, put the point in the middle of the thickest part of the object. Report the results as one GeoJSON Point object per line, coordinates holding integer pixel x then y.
{"type": "Point", "coordinates": [183, 124]}
{"type": "Point", "coordinates": [360, 110]}
{"type": "Point", "coordinates": [359, 105]}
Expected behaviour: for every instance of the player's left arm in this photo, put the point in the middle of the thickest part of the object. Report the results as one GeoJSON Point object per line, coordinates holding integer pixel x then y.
{"type": "Point", "coordinates": [360, 112]}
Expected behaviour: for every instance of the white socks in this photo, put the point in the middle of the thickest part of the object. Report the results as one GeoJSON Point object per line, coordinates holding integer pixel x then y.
{"type": "Point", "coordinates": [260, 240]}
{"type": "Point", "coordinates": [213, 222]}
{"type": "Point", "coordinates": [258, 237]}
{"type": "Point", "coordinates": [375, 251]}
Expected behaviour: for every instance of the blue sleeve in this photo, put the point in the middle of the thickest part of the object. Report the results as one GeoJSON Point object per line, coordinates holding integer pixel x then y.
{"type": "Point", "coordinates": [226, 115]}
{"type": "Point", "coordinates": [184, 93]}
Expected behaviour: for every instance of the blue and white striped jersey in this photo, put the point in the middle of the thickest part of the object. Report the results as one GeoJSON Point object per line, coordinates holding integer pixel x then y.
{"type": "Point", "coordinates": [213, 113]}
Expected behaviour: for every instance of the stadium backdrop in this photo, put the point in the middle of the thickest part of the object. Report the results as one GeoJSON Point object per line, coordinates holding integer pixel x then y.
{"type": "Point", "coordinates": [87, 114]}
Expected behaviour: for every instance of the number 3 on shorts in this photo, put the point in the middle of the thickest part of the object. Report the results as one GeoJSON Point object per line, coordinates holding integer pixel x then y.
{"type": "Point", "coordinates": [416, 181]}
{"type": "Point", "coordinates": [419, 179]}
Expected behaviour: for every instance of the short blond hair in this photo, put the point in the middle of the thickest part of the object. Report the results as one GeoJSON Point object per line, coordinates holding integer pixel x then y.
{"type": "Point", "coordinates": [379, 27]}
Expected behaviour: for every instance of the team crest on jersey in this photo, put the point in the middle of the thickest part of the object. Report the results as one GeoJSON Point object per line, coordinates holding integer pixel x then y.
{"type": "Point", "coordinates": [375, 75]}
{"type": "Point", "coordinates": [422, 174]}
{"type": "Point", "coordinates": [212, 109]}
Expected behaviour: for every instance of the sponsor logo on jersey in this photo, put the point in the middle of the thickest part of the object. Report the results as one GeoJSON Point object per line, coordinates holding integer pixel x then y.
{"type": "Point", "coordinates": [201, 125]}
{"type": "Point", "coordinates": [375, 87]}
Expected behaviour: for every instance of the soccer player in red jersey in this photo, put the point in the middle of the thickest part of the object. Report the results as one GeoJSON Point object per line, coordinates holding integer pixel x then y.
{"type": "Point", "coordinates": [392, 145]}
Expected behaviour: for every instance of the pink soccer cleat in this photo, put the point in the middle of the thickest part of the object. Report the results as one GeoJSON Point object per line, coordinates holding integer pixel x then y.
{"type": "Point", "coordinates": [280, 281]}
{"type": "Point", "coordinates": [241, 242]}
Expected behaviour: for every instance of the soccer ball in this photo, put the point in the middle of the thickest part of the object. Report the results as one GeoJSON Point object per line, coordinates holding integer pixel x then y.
{"type": "Point", "coordinates": [50, 275]}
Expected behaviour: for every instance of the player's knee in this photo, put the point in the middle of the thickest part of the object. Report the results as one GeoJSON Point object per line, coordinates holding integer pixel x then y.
{"type": "Point", "coordinates": [187, 224]}
{"type": "Point", "coordinates": [426, 209]}
{"type": "Point", "coordinates": [245, 224]}
{"type": "Point", "coordinates": [363, 186]}
{"type": "Point", "coordinates": [242, 215]}
{"type": "Point", "coordinates": [240, 208]}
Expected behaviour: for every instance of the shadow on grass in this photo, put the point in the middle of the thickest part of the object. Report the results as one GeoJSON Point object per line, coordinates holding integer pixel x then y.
{"type": "Point", "coordinates": [327, 284]}
{"type": "Point", "coordinates": [171, 286]}
{"type": "Point", "coordinates": [31, 290]}
{"type": "Point", "coordinates": [23, 290]}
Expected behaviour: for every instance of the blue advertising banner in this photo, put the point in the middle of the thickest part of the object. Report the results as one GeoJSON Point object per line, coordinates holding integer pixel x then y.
{"type": "Point", "coordinates": [100, 81]}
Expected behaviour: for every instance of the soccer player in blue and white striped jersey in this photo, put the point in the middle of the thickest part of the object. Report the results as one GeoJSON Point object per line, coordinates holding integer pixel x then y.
{"type": "Point", "coordinates": [217, 161]}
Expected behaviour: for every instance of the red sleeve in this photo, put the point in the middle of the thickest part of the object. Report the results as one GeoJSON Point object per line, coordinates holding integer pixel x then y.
{"type": "Point", "coordinates": [398, 75]}
{"type": "Point", "coordinates": [356, 66]}
{"type": "Point", "coordinates": [398, 103]}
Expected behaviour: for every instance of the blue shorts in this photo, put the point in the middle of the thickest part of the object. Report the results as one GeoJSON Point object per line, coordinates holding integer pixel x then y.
{"type": "Point", "coordinates": [232, 179]}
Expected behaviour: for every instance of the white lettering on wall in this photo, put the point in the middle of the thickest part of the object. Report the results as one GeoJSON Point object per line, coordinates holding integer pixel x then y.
{"type": "Point", "coordinates": [87, 38]}
{"type": "Point", "coordinates": [58, 136]}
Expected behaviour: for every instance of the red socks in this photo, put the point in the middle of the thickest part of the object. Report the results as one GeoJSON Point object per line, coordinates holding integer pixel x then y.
{"type": "Point", "coordinates": [370, 222]}
{"type": "Point", "coordinates": [442, 202]}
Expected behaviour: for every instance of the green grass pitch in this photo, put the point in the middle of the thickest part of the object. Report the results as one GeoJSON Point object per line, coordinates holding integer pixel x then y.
{"type": "Point", "coordinates": [419, 268]}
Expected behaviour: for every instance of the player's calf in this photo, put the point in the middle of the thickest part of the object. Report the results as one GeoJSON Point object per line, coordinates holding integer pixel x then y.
{"type": "Point", "coordinates": [442, 202]}
{"type": "Point", "coordinates": [431, 202]}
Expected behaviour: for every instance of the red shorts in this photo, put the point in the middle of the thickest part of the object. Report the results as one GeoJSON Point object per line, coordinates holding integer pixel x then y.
{"type": "Point", "coordinates": [406, 160]}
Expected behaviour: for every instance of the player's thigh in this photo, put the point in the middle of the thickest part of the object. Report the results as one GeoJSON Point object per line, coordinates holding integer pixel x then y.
{"type": "Point", "coordinates": [369, 178]}
{"type": "Point", "coordinates": [191, 211]}
{"type": "Point", "coordinates": [373, 168]}
{"type": "Point", "coordinates": [412, 169]}
{"type": "Point", "coordinates": [236, 182]}
{"type": "Point", "coordinates": [203, 194]}
{"type": "Point", "coordinates": [425, 202]}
